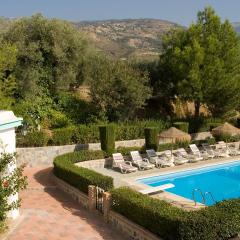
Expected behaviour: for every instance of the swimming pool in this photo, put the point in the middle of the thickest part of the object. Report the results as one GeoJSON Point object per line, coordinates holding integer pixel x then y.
{"type": "Point", "coordinates": [223, 181]}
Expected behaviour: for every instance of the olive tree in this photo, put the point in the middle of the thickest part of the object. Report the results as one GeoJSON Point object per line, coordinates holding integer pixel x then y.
{"type": "Point", "coordinates": [117, 89]}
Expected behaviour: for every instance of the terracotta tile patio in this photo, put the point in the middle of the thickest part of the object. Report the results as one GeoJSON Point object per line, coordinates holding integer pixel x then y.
{"type": "Point", "coordinates": [48, 213]}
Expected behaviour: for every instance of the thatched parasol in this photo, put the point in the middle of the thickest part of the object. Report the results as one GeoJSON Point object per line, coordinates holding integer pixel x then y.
{"type": "Point", "coordinates": [226, 129]}
{"type": "Point", "coordinates": [175, 134]}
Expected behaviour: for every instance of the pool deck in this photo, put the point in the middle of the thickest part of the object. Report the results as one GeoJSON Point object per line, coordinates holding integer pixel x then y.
{"type": "Point", "coordinates": [131, 179]}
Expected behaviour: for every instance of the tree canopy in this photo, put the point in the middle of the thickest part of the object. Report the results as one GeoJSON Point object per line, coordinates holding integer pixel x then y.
{"type": "Point", "coordinates": [50, 54]}
{"type": "Point", "coordinates": [7, 80]}
{"type": "Point", "coordinates": [117, 89]}
{"type": "Point", "coordinates": [201, 64]}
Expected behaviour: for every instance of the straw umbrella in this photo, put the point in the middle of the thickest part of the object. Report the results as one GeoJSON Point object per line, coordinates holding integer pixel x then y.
{"type": "Point", "coordinates": [226, 129]}
{"type": "Point", "coordinates": [176, 135]}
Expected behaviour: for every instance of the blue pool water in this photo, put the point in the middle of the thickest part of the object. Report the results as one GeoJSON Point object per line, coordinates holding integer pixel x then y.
{"type": "Point", "coordinates": [223, 181]}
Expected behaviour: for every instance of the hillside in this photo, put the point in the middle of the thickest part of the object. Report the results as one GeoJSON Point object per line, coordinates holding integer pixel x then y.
{"type": "Point", "coordinates": [237, 26]}
{"type": "Point", "coordinates": [129, 37]}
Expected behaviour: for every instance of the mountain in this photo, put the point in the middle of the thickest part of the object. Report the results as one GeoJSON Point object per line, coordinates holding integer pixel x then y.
{"type": "Point", "coordinates": [236, 25]}
{"type": "Point", "coordinates": [129, 37]}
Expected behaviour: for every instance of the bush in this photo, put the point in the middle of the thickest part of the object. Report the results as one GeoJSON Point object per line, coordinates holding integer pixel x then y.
{"type": "Point", "coordinates": [210, 141]}
{"type": "Point", "coordinates": [80, 177]}
{"type": "Point", "coordinates": [58, 119]}
{"type": "Point", "coordinates": [86, 134]}
{"type": "Point", "coordinates": [221, 221]}
{"type": "Point", "coordinates": [167, 146]}
{"type": "Point", "coordinates": [159, 217]}
{"type": "Point", "coordinates": [127, 150]}
{"type": "Point", "coordinates": [151, 138]}
{"type": "Point", "coordinates": [33, 139]}
{"type": "Point", "coordinates": [63, 136]}
{"type": "Point", "coordinates": [107, 138]}
{"type": "Point", "coordinates": [228, 138]}
{"type": "Point", "coordinates": [183, 126]}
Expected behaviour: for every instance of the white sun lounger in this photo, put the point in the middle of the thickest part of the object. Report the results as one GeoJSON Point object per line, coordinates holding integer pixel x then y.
{"type": "Point", "coordinates": [227, 149]}
{"type": "Point", "coordinates": [157, 160]}
{"type": "Point", "coordinates": [177, 160]}
{"type": "Point", "coordinates": [192, 158]}
{"type": "Point", "coordinates": [141, 163]}
{"type": "Point", "coordinates": [196, 152]}
{"type": "Point", "coordinates": [150, 190]}
{"type": "Point", "coordinates": [124, 166]}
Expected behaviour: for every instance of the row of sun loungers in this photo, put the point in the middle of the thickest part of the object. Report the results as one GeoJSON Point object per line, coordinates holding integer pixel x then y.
{"type": "Point", "coordinates": [169, 159]}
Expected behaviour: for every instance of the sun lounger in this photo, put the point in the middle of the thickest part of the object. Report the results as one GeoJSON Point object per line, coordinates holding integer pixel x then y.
{"type": "Point", "coordinates": [141, 163]}
{"type": "Point", "coordinates": [192, 158]}
{"type": "Point", "coordinates": [216, 152]}
{"type": "Point", "coordinates": [196, 152]}
{"type": "Point", "coordinates": [228, 149]}
{"type": "Point", "coordinates": [177, 160]}
{"type": "Point", "coordinates": [124, 166]}
{"type": "Point", "coordinates": [151, 190]}
{"type": "Point", "coordinates": [157, 160]}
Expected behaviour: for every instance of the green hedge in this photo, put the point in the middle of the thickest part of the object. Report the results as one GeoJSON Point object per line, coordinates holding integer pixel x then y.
{"type": "Point", "coordinates": [33, 139]}
{"type": "Point", "coordinates": [127, 150]}
{"type": "Point", "coordinates": [183, 126]}
{"type": "Point", "coordinates": [218, 222]}
{"type": "Point", "coordinates": [107, 138]}
{"type": "Point", "coordinates": [151, 138]}
{"type": "Point", "coordinates": [82, 134]}
{"type": "Point", "coordinates": [168, 146]}
{"type": "Point", "coordinates": [80, 177]}
{"type": "Point", "coordinates": [159, 217]}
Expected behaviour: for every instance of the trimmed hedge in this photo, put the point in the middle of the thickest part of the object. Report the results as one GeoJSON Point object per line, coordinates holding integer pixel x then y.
{"type": "Point", "coordinates": [107, 138]}
{"type": "Point", "coordinates": [151, 138]}
{"type": "Point", "coordinates": [33, 139]}
{"type": "Point", "coordinates": [218, 222]}
{"type": "Point", "coordinates": [221, 222]}
{"type": "Point", "coordinates": [167, 146]}
{"type": "Point", "coordinates": [83, 134]}
{"type": "Point", "coordinates": [183, 126]}
{"type": "Point", "coordinates": [80, 177]}
{"type": "Point", "coordinates": [159, 217]}
{"type": "Point", "coordinates": [127, 150]}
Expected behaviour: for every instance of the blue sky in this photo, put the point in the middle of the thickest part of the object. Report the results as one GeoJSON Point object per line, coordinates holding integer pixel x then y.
{"type": "Point", "coordinates": [180, 11]}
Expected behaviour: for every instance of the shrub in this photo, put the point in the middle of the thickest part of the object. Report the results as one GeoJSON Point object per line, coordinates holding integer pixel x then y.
{"type": "Point", "coordinates": [228, 138]}
{"type": "Point", "coordinates": [80, 177]}
{"type": "Point", "coordinates": [183, 126]}
{"type": "Point", "coordinates": [107, 138]}
{"type": "Point", "coordinates": [58, 119]}
{"type": "Point", "coordinates": [166, 146]}
{"type": "Point", "coordinates": [33, 139]}
{"type": "Point", "coordinates": [221, 221]}
{"type": "Point", "coordinates": [63, 136]}
{"type": "Point", "coordinates": [210, 141]}
{"type": "Point", "coordinates": [127, 150]}
{"type": "Point", "coordinates": [10, 184]}
{"type": "Point", "coordinates": [159, 217]}
{"type": "Point", "coordinates": [151, 138]}
{"type": "Point", "coordinates": [86, 134]}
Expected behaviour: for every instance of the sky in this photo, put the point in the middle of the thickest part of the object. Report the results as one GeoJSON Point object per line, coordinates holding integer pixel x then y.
{"type": "Point", "coordinates": [180, 11]}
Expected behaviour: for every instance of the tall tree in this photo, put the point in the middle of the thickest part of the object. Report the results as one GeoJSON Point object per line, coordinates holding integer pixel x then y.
{"type": "Point", "coordinates": [7, 80]}
{"type": "Point", "coordinates": [202, 64]}
{"type": "Point", "coordinates": [117, 89]}
{"type": "Point", "coordinates": [50, 54]}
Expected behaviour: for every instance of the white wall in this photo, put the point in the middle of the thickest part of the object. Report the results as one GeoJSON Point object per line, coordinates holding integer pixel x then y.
{"type": "Point", "coordinates": [8, 144]}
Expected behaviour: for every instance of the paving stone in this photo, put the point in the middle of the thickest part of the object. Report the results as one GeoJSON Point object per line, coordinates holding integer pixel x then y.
{"type": "Point", "coordinates": [51, 214]}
